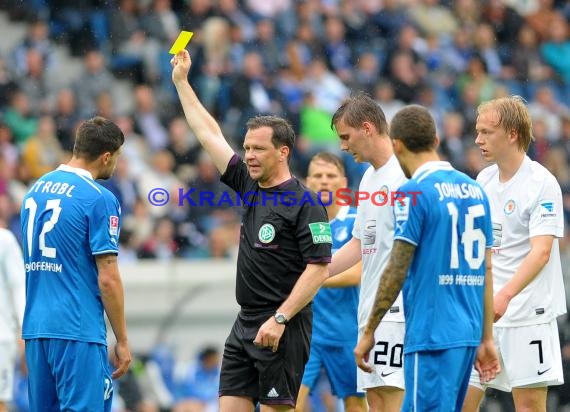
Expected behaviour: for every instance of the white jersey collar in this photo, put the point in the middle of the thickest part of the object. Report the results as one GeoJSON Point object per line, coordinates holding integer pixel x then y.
{"type": "Point", "coordinates": [76, 170]}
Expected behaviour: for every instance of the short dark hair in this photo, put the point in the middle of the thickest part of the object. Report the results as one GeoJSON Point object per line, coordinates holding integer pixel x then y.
{"type": "Point", "coordinates": [283, 133]}
{"type": "Point", "coordinates": [415, 127]}
{"type": "Point", "coordinates": [330, 158]}
{"type": "Point", "coordinates": [95, 137]}
{"type": "Point", "coordinates": [207, 351]}
{"type": "Point", "coordinates": [360, 108]}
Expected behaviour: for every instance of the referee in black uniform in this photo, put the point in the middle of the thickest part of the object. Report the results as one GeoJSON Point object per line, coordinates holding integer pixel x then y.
{"type": "Point", "coordinates": [284, 251]}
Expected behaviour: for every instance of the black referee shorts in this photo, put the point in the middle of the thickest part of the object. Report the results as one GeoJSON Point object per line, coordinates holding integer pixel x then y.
{"type": "Point", "coordinates": [271, 378]}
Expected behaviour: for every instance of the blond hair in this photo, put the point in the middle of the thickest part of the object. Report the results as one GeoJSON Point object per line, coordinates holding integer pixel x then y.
{"type": "Point", "coordinates": [513, 116]}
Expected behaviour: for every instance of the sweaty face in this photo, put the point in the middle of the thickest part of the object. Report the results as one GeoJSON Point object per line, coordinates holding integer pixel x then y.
{"type": "Point", "coordinates": [325, 178]}
{"type": "Point", "coordinates": [492, 139]}
{"type": "Point", "coordinates": [352, 141]}
{"type": "Point", "coordinates": [261, 156]}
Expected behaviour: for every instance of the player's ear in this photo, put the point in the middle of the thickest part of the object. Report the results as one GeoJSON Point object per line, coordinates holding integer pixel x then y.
{"type": "Point", "coordinates": [436, 142]}
{"type": "Point", "coordinates": [106, 157]}
{"type": "Point", "coordinates": [513, 136]}
{"type": "Point", "coordinates": [398, 145]}
{"type": "Point", "coordinates": [284, 152]}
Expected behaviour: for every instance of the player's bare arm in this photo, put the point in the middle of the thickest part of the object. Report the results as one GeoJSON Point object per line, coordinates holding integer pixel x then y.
{"type": "Point", "coordinates": [303, 292]}
{"type": "Point", "coordinates": [391, 284]}
{"type": "Point", "coordinates": [112, 295]}
{"type": "Point", "coordinates": [487, 361]}
{"type": "Point", "coordinates": [350, 277]}
{"type": "Point", "coordinates": [200, 121]}
{"type": "Point", "coordinates": [346, 257]}
{"type": "Point", "coordinates": [530, 267]}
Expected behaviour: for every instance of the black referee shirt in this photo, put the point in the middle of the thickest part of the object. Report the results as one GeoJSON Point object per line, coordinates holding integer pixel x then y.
{"type": "Point", "coordinates": [283, 229]}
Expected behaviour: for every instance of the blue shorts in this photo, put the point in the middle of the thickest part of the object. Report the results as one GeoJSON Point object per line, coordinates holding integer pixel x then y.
{"type": "Point", "coordinates": [67, 375]}
{"type": "Point", "coordinates": [437, 380]}
{"type": "Point", "coordinates": [339, 365]}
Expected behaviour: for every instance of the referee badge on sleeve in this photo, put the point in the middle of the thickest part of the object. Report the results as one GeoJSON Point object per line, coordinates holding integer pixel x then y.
{"type": "Point", "coordinates": [321, 232]}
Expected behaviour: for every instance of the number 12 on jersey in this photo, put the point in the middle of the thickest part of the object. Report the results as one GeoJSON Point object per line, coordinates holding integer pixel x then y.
{"type": "Point", "coordinates": [32, 207]}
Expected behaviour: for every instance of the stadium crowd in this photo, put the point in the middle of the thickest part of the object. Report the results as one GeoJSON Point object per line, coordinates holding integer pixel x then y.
{"type": "Point", "coordinates": [295, 58]}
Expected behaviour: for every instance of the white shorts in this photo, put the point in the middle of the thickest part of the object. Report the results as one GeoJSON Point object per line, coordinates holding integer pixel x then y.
{"type": "Point", "coordinates": [530, 357]}
{"type": "Point", "coordinates": [387, 358]}
{"type": "Point", "coordinates": [8, 352]}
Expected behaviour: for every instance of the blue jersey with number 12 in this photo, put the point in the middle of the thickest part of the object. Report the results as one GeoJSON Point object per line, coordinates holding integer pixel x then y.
{"type": "Point", "coordinates": [449, 222]}
{"type": "Point", "coordinates": [67, 219]}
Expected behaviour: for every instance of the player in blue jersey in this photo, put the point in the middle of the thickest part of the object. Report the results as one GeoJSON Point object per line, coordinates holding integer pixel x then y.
{"type": "Point", "coordinates": [70, 226]}
{"type": "Point", "coordinates": [441, 256]}
{"type": "Point", "coordinates": [335, 306]}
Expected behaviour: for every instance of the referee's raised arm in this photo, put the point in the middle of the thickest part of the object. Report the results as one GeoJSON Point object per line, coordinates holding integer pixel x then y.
{"type": "Point", "coordinates": [200, 121]}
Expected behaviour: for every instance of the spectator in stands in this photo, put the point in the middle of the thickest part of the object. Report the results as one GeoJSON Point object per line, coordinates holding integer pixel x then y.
{"type": "Point", "coordinates": [37, 38]}
{"type": "Point", "coordinates": [325, 86]}
{"type": "Point", "coordinates": [485, 45]}
{"type": "Point", "coordinates": [42, 152]}
{"type": "Point", "coordinates": [555, 50]}
{"type": "Point", "coordinates": [300, 34]}
{"type": "Point", "coordinates": [366, 72]}
{"type": "Point", "coordinates": [213, 57]}
{"type": "Point", "coordinates": [505, 21]}
{"type": "Point", "coordinates": [547, 106]}
{"type": "Point", "coordinates": [160, 175]}
{"type": "Point", "coordinates": [7, 84]}
{"type": "Point", "coordinates": [267, 43]}
{"type": "Point", "coordinates": [542, 19]}
{"type": "Point", "coordinates": [389, 20]}
{"type": "Point", "coordinates": [385, 96]}
{"type": "Point", "coordinates": [184, 148]}
{"type": "Point", "coordinates": [251, 92]}
{"type": "Point", "coordinates": [406, 76]}
{"type": "Point", "coordinates": [231, 11]}
{"type": "Point", "coordinates": [433, 18]}
{"type": "Point", "coordinates": [477, 76]}
{"type": "Point", "coordinates": [135, 148]}
{"type": "Point", "coordinates": [66, 117]}
{"type": "Point", "coordinates": [149, 121]}
{"type": "Point", "coordinates": [452, 140]}
{"type": "Point", "coordinates": [123, 186]}
{"type": "Point", "coordinates": [336, 48]}
{"type": "Point", "coordinates": [198, 387]}
{"type": "Point", "coordinates": [161, 244]}
{"type": "Point", "coordinates": [526, 63]}
{"type": "Point", "coordinates": [209, 210]}
{"type": "Point", "coordinates": [19, 118]}
{"type": "Point", "coordinates": [161, 22]}
{"type": "Point", "coordinates": [140, 223]}
{"type": "Point", "coordinates": [95, 79]}
{"type": "Point", "coordinates": [37, 83]}
{"type": "Point", "coordinates": [8, 151]}
{"type": "Point", "coordinates": [128, 38]}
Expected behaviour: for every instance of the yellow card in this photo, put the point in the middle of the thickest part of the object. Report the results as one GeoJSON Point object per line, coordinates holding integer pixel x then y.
{"type": "Point", "coordinates": [181, 42]}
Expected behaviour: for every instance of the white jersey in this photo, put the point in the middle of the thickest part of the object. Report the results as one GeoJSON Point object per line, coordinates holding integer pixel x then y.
{"type": "Point", "coordinates": [12, 287]}
{"type": "Point", "coordinates": [528, 205]}
{"type": "Point", "coordinates": [374, 227]}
